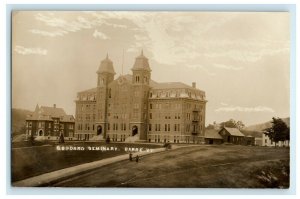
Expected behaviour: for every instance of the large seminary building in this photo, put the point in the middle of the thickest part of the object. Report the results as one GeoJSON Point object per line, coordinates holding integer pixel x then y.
{"type": "Point", "coordinates": [136, 108]}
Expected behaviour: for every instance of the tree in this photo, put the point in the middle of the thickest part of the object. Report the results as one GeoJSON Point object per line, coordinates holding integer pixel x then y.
{"type": "Point", "coordinates": [233, 124]}
{"type": "Point", "coordinates": [279, 131]}
{"type": "Point", "coordinates": [240, 125]}
{"type": "Point", "coordinates": [210, 126]}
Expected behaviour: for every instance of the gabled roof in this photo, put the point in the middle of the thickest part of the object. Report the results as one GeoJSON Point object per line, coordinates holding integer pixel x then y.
{"type": "Point", "coordinates": [67, 118]}
{"type": "Point", "coordinates": [233, 131]}
{"type": "Point", "coordinates": [212, 134]}
{"type": "Point", "coordinates": [47, 113]}
{"type": "Point", "coordinates": [52, 111]}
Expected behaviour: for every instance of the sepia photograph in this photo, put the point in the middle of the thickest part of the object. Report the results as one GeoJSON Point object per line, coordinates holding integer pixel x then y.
{"type": "Point", "coordinates": [150, 99]}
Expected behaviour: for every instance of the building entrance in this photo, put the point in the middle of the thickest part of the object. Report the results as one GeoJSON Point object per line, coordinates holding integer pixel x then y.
{"type": "Point", "coordinates": [99, 130]}
{"type": "Point", "coordinates": [134, 130]}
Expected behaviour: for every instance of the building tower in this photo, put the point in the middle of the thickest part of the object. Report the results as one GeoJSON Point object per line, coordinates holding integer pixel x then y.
{"type": "Point", "coordinates": [140, 79]}
{"type": "Point", "coordinates": [106, 75]}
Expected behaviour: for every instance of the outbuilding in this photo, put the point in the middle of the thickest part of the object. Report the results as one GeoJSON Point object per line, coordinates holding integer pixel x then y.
{"type": "Point", "coordinates": [212, 136]}
{"type": "Point", "coordinates": [232, 135]}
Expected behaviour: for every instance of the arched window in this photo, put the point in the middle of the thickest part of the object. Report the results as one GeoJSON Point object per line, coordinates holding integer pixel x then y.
{"type": "Point", "coordinates": [137, 78]}
{"type": "Point", "coordinates": [109, 92]}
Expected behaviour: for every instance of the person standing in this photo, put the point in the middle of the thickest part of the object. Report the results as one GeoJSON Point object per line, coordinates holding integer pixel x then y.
{"type": "Point", "coordinates": [130, 156]}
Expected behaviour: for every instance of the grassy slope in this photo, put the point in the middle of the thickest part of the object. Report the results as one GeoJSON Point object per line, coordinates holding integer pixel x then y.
{"type": "Point", "coordinates": [32, 161]}
{"type": "Point", "coordinates": [203, 166]}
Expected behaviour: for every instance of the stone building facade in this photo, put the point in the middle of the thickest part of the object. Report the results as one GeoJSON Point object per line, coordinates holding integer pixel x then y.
{"type": "Point", "coordinates": [48, 123]}
{"type": "Point", "coordinates": [134, 107]}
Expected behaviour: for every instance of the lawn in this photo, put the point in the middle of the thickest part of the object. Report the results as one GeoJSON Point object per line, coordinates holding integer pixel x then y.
{"type": "Point", "coordinates": [223, 166]}
{"type": "Point", "coordinates": [31, 161]}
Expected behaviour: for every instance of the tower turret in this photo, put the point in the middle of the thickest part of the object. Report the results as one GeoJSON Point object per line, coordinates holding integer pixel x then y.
{"type": "Point", "coordinates": [105, 72]}
{"type": "Point", "coordinates": [140, 80]}
{"type": "Point", "coordinates": [141, 70]}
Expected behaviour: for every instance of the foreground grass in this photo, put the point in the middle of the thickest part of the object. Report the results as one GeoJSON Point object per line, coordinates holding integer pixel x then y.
{"type": "Point", "coordinates": [200, 166]}
{"type": "Point", "coordinates": [32, 161]}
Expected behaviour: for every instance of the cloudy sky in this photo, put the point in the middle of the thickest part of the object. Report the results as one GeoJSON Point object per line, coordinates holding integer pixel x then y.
{"type": "Point", "coordinates": [241, 60]}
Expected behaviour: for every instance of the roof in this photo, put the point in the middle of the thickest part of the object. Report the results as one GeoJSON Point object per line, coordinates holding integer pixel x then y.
{"type": "Point", "coordinates": [141, 62]}
{"type": "Point", "coordinates": [234, 131]}
{"type": "Point", "coordinates": [106, 66]}
{"type": "Point", "coordinates": [170, 85]}
{"type": "Point", "coordinates": [52, 111]}
{"type": "Point", "coordinates": [47, 113]}
{"type": "Point", "coordinates": [91, 90]}
{"type": "Point", "coordinates": [67, 118]}
{"type": "Point", "coordinates": [212, 134]}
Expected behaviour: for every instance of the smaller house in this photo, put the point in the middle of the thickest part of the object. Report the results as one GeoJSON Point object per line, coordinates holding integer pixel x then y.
{"type": "Point", "coordinates": [232, 135]}
{"type": "Point", "coordinates": [212, 136]}
{"type": "Point", "coordinates": [266, 141]}
{"type": "Point", "coordinates": [49, 123]}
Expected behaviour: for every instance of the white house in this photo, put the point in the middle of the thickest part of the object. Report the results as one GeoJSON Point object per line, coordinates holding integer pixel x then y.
{"type": "Point", "coordinates": [267, 142]}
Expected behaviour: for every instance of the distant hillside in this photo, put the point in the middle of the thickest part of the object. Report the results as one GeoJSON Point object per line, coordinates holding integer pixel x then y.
{"type": "Point", "coordinates": [18, 120]}
{"type": "Point", "coordinates": [257, 134]}
{"type": "Point", "coordinates": [255, 130]}
{"type": "Point", "coordinates": [262, 126]}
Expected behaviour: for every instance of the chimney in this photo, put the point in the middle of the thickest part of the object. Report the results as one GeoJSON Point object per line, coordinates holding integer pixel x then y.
{"type": "Point", "coordinates": [194, 84]}
{"type": "Point", "coordinates": [54, 105]}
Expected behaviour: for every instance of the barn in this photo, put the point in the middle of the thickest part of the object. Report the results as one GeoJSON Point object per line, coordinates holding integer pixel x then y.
{"type": "Point", "coordinates": [212, 136]}
{"type": "Point", "coordinates": [232, 135]}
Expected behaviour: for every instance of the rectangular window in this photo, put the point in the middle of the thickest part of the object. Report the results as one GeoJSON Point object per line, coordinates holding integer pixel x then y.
{"type": "Point", "coordinates": [168, 127]}
{"type": "Point", "coordinates": [149, 127]}
{"type": "Point", "coordinates": [150, 106]}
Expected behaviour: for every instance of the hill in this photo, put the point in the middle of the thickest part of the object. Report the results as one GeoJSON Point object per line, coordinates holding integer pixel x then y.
{"type": "Point", "coordinates": [255, 130]}
{"type": "Point", "coordinates": [18, 118]}
{"type": "Point", "coordinates": [262, 126]}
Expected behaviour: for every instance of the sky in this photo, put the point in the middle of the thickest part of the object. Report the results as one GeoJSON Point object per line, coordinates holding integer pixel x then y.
{"type": "Point", "coordinates": [240, 59]}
